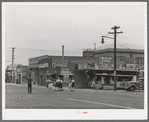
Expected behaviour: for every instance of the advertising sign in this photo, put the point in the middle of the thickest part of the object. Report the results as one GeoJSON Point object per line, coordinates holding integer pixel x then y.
{"type": "Point", "coordinates": [59, 63]}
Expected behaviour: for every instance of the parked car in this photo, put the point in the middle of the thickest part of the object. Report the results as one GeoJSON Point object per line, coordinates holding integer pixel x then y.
{"type": "Point", "coordinates": [135, 85]}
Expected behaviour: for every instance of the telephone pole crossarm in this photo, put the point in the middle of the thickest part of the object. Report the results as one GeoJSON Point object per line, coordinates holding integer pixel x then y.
{"type": "Point", "coordinates": [116, 32]}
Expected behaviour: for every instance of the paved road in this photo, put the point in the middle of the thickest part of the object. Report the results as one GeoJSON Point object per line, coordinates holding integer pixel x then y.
{"type": "Point", "coordinates": [17, 97]}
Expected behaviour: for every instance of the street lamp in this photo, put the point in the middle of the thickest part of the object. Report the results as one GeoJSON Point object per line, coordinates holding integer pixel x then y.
{"type": "Point", "coordinates": [115, 27]}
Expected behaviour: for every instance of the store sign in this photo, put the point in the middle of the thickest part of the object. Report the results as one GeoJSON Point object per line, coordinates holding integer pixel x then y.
{"type": "Point", "coordinates": [33, 63]}
{"type": "Point", "coordinates": [82, 66]}
{"type": "Point", "coordinates": [130, 66]}
{"type": "Point", "coordinates": [99, 66]}
{"type": "Point", "coordinates": [88, 54]}
{"type": "Point", "coordinates": [105, 60]}
{"type": "Point", "coordinates": [91, 66]}
{"type": "Point", "coordinates": [11, 68]}
{"type": "Point", "coordinates": [59, 64]}
{"type": "Point", "coordinates": [65, 71]}
{"type": "Point", "coordinates": [44, 65]}
{"type": "Point", "coordinates": [19, 68]}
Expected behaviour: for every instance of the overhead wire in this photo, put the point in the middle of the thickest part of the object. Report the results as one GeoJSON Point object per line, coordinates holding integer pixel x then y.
{"type": "Point", "coordinates": [52, 51]}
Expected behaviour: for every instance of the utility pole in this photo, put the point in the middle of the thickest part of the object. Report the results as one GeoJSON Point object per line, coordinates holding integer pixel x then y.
{"type": "Point", "coordinates": [12, 64]}
{"type": "Point", "coordinates": [115, 32]}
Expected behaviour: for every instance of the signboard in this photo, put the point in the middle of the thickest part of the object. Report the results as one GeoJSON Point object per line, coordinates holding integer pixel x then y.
{"type": "Point", "coordinates": [33, 63]}
{"type": "Point", "coordinates": [105, 60]}
{"type": "Point", "coordinates": [82, 66]}
{"type": "Point", "coordinates": [44, 65]}
{"type": "Point", "coordinates": [59, 63]}
{"type": "Point", "coordinates": [65, 71]}
{"type": "Point", "coordinates": [88, 53]}
{"type": "Point", "coordinates": [10, 67]}
{"type": "Point", "coordinates": [19, 68]}
{"type": "Point", "coordinates": [104, 67]}
{"type": "Point", "coordinates": [99, 66]}
{"type": "Point", "coordinates": [91, 66]}
{"type": "Point", "coordinates": [130, 66]}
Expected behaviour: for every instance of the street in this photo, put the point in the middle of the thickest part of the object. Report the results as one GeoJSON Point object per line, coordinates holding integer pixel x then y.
{"type": "Point", "coordinates": [17, 97]}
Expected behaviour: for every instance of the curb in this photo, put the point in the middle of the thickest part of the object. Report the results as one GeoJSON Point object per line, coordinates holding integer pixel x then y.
{"type": "Point", "coordinates": [66, 88]}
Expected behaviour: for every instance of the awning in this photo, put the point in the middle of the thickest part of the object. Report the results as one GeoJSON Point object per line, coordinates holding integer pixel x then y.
{"type": "Point", "coordinates": [66, 74]}
{"type": "Point", "coordinates": [104, 74]}
{"type": "Point", "coordinates": [113, 75]}
{"type": "Point", "coordinates": [50, 74]}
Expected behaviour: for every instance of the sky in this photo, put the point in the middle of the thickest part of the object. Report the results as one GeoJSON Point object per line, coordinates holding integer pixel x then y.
{"type": "Point", "coordinates": [41, 29]}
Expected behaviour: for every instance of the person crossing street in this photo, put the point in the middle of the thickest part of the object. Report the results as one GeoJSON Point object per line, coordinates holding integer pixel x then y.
{"type": "Point", "coordinates": [29, 81]}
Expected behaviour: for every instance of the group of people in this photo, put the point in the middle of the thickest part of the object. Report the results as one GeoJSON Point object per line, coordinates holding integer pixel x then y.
{"type": "Point", "coordinates": [58, 85]}
{"type": "Point", "coordinates": [50, 84]}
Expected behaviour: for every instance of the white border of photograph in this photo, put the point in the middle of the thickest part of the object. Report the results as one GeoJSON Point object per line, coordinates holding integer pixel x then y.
{"type": "Point", "coordinates": [69, 114]}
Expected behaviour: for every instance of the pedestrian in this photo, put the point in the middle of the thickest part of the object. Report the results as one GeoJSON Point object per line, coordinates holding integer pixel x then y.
{"type": "Point", "coordinates": [57, 84]}
{"type": "Point", "coordinates": [61, 84]}
{"type": "Point", "coordinates": [72, 84]}
{"type": "Point", "coordinates": [50, 84]}
{"type": "Point", "coordinates": [69, 85]}
{"type": "Point", "coordinates": [47, 84]}
{"type": "Point", "coordinates": [29, 81]}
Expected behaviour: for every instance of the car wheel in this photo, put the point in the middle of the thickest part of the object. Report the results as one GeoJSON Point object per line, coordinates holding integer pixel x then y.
{"type": "Point", "coordinates": [132, 88]}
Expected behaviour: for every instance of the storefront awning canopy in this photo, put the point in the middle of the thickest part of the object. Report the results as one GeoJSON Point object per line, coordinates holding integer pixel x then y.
{"type": "Point", "coordinates": [50, 74]}
{"type": "Point", "coordinates": [113, 75]}
{"type": "Point", "coordinates": [66, 74]}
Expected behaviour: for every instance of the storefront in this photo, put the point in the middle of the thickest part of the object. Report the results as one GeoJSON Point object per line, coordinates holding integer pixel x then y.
{"type": "Point", "coordinates": [106, 80]}
{"type": "Point", "coordinates": [44, 66]}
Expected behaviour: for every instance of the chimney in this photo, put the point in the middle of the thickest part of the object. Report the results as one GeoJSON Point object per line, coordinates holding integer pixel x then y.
{"type": "Point", "coordinates": [62, 52]}
{"type": "Point", "coordinates": [94, 46]}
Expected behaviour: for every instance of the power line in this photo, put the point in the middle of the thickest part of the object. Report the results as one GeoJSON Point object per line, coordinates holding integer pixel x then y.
{"type": "Point", "coordinates": [28, 49]}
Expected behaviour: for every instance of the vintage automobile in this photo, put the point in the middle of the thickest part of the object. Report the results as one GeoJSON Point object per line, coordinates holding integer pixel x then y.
{"type": "Point", "coordinates": [135, 85]}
